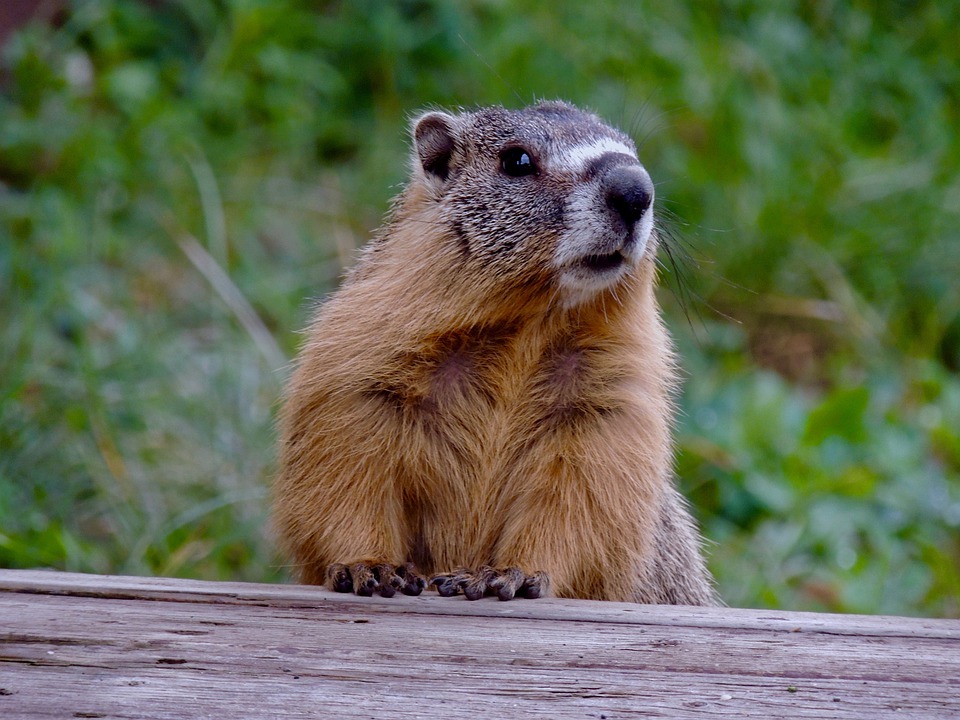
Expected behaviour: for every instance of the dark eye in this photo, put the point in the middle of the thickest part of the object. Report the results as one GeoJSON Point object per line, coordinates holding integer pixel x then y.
{"type": "Point", "coordinates": [517, 162]}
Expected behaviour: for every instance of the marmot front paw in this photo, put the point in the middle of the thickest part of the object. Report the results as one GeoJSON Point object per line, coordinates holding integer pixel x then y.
{"type": "Point", "coordinates": [505, 584]}
{"type": "Point", "coordinates": [366, 578]}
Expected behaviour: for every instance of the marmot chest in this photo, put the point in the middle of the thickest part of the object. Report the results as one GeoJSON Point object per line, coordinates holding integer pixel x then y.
{"type": "Point", "coordinates": [487, 389]}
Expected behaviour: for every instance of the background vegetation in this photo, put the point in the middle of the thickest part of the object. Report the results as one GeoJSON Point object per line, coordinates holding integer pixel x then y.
{"type": "Point", "coordinates": [178, 179]}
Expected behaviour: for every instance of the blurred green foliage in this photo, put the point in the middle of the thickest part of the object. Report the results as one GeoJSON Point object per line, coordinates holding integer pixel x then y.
{"type": "Point", "coordinates": [178, 179]}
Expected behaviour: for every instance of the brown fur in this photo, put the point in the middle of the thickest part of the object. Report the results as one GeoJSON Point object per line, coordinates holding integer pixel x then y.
{"type": "Point", "coordinates": [444, 417]}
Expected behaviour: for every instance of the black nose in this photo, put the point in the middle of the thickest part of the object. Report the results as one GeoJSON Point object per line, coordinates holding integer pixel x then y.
{"type": "Point", "coordinates": [628, 191]}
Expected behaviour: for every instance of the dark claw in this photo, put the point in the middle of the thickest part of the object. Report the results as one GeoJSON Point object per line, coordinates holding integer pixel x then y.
{"type": "Point", "coordinates": [388, 579]}
{"type": "Point", "coordinates": [534, 586]}
{"type": "Point", "coordinates": [339, 579]}
{"type": "Point", "coordinates": [478, 584]}
{"type": "Point", "coordinates": [447, 585]}
{"type": "Point", "coordinates": [474, 591]}
{"type": "Point", "coordinates": [452, 584]}
{"type": "Point", "coordinates": [508, 582]}
{"type": "Point", "coordinates": [366, 589]}
{"type": "Point", "coordinates": [414, 584]}
{"type": "Point", "coordinates": [364, 580]}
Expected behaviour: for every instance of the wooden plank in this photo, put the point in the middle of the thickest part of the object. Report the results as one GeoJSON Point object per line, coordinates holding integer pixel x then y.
{"type": "Point", "coordinates": [96, 646]}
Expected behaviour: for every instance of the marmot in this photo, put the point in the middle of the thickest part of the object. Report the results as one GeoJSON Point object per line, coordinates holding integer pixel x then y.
{"type": "Point", "coordinates": [487, 400]}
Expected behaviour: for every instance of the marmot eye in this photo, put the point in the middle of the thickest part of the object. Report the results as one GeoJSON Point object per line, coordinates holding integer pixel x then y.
{"type": "Point", "coordinates": [517, 162]}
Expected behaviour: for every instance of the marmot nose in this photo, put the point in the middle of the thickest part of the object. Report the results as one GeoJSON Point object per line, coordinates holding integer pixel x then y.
{"type": "Point", "coordinates": [628, 191]}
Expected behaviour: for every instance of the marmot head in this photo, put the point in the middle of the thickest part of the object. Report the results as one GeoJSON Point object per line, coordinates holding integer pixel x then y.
{"type": "Point", "coordinates": [548, 194]}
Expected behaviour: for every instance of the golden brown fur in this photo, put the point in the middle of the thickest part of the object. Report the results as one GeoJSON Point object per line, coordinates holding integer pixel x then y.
{"type": "Point", "coordinates": [444, 417]}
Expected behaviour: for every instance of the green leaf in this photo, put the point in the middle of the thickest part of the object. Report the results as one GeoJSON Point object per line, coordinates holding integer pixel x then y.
{"type": "Point", "coordinates": [840, 415]}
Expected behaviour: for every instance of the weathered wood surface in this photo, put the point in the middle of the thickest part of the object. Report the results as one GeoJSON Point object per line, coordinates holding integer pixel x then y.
{"type": "Point", "coordinates": [88, 646]}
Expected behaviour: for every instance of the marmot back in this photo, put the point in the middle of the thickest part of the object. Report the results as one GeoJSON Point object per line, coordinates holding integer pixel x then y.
{"type": "Point", "coordinates": [487, 401]}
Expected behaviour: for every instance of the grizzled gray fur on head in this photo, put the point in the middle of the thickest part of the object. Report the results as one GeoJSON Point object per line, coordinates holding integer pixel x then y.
{"type": "Point", "coordinates": [549, 183]}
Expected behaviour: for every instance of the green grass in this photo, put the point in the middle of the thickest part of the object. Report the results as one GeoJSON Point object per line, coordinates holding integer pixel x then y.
{"type": "Point", "coordinates": [179, 182]}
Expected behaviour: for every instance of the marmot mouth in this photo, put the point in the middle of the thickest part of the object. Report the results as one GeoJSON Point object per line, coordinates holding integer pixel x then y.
{"type": "Point", "coordinates": [601, 263]}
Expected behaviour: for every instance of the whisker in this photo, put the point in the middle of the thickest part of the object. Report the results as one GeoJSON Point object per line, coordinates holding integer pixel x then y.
{"type": "Point", "coordinates": [613, 292]}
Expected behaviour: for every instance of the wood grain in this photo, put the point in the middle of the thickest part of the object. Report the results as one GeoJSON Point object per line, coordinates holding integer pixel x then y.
{"type": "Point", "coordinates": [115, 647]}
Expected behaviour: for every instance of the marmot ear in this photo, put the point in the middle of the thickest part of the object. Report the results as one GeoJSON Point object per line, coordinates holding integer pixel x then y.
{"type": "Point", "coordinates": [434, 139]}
